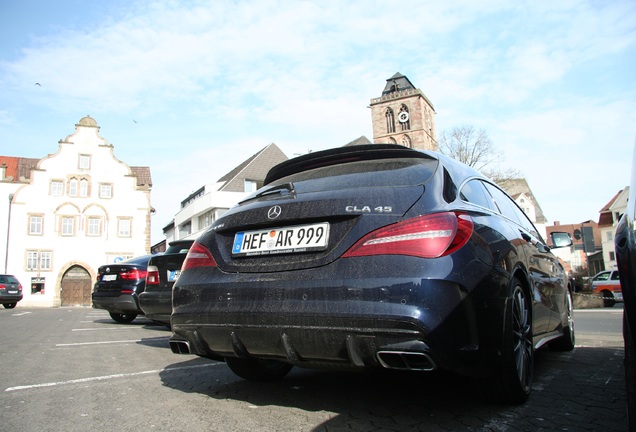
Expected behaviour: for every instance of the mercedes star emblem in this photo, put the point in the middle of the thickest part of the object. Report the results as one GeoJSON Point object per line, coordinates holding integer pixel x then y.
{"type": "Point", "coordinates": [274, 212]}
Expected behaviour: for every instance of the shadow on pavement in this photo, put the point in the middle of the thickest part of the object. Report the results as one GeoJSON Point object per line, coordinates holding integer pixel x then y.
{"type": "Point", "coordinates": [580, 390]}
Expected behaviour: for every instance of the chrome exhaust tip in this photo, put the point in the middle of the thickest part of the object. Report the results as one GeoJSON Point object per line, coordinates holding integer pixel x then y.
{"type": "Point", "coordinates": [405, 360]}
{"type": "Point", "coordinates": [180, 347]}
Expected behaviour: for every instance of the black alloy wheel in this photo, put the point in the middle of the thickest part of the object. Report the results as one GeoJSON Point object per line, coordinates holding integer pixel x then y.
{"type": "Point", "coordinates": [608, 299]}
{"type": "Point", "coordinates": [123, 318]}
{"type": "Point", "coordinates": [512, 383]}
{"type": "Point", "coordinates": [566, 342]}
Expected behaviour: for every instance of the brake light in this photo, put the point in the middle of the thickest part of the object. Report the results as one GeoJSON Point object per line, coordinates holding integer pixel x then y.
{"type": "Point", "coordinates": [429, 236]}
{"type": "Point", "coordinates": [133, 274]}
{"type": "Point", "coordinates": [198, 256]}
{"type": "Point", "coordinates": [152, 278]}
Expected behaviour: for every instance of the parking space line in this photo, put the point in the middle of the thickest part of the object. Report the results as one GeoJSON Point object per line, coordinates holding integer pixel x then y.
{"type": "Point", "coordinates": [112, 342]}
{"type": "Point", "coordinates": [108, 377]}
{"type": "Point", "coordinates": [106, 328]}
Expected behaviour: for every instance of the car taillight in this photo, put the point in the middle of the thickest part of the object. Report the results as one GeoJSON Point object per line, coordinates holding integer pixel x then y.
{"type": "Point", "coordinates": [152, 278]}
{"type": "Point", "coordinates": [198, 256]}
{"type": "Point", "coordinates": [133, 274]}
{"type": "Point", "coordinates": [428, 236]}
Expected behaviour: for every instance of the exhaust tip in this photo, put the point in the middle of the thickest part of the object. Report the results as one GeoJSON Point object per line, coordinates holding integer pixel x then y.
{"type": "Point", "coordinates": [405, 360]}
{"type": "Point", "coordinates": [180, 347]}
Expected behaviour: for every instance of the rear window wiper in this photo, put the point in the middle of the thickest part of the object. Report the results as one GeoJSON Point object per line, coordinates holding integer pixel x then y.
{"type": "Point", "coordinates": [281, 189]}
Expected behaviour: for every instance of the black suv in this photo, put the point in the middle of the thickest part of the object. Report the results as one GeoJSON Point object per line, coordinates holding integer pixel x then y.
{"type": "Point", "coordinates": [118, 287]}
{"type": "Point", "coordinates": [10, 291]}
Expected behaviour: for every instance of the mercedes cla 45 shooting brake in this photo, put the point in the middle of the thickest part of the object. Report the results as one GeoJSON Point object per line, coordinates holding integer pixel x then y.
{"type": "Point", "coordinates": [375, 256]}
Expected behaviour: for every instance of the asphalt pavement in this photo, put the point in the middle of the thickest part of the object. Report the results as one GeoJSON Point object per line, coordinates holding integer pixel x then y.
{"type": "Point", "coordinates": [74, 369]}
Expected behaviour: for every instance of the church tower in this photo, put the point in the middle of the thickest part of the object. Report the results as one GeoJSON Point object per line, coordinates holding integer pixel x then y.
{"type": "Point", "coordinates": [403, 115]}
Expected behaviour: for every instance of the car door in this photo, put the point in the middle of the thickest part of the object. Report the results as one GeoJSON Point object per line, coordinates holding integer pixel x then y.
{"type": "Point", "coordinates": [547, 276]}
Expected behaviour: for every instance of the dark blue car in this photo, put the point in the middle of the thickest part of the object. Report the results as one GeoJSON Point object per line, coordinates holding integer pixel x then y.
{"type": "Point", "coordinates": [375, 256]}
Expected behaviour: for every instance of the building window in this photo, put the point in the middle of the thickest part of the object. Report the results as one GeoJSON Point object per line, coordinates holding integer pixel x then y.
{"type": "Point", "coordinates": [404, 118]}
{"type": "Point", "coordinates": [57, 188]}
{"type": "Point", "coordinates": [84, 162]}
{"type": "Point", "coordinates": [35, 225]}
{"type": "Point", "coordinates": [185, 229]}
{"type": "Point", "coordinates": [612, 256]}
{"type": "Point", "coordinates": [83, 188]}
{"type": "Point", "coordinates": [3, 173]}
{"type": "Point", "coordinates": [39, 260]}
{"type": "Point", "coordinates": [206, 219]}
{"type": "Point", "coordinates": [45, 260]}
{"type": "Point", "coordinates": [94, 227]}
{"type": "Point", "coordinates": [250, 185]}
{"type": "Point", "coordinates": [68, 226]}
{"type": "Point", "coordinates": [124, 228]}
{"type": "Point", "coordinates": [72, 187]}
{"type": "Point", "coordinates": [406, 141]}
{"type": "Point", "coordinates": [105, 190]}
{"type": "Point", "coordinates": [390, 120]}
{"type": "Point", "coordinates": [609, 236]}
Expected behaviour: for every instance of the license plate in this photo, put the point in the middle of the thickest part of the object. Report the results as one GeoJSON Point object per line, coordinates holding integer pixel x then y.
{"type": "Point", "coordinates": [12, 292]}
{"type": "Point", "coordinates": [173, 275]}
{"type": "Point", "coordinates": [293, 239]}
{"type": "Point", "coordinates": [111, 277]}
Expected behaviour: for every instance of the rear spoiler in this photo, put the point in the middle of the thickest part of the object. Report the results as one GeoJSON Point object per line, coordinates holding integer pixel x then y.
{"type": "Point", "coordinates": [341, 155]}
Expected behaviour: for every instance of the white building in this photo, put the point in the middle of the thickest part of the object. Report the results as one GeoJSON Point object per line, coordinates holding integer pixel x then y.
{"type": "Point", "coordinates": [609, 216]}
{"type": "Point", "coordinates": [201, 208]}
{"type": "Point", "coordinates": [64, 215]}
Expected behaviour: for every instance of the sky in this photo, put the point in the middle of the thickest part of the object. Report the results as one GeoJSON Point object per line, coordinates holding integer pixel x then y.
{"type": "Point", "coordinates": [193, 88]}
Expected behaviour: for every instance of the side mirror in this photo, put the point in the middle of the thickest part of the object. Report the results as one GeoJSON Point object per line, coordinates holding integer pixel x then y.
{"type": "Point", "coordinates": [560, 239]}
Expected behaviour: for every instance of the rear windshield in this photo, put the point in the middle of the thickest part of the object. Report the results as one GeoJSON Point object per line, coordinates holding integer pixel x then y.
{"type": "Point", "coordinates": [178, 248]}
{"type": "Point", "coordinates": [8, 279]}
{"type": "Point", "coordinates": [363, 174]}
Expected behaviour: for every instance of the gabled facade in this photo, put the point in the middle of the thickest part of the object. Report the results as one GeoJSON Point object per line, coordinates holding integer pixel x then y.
{"type": "Point", "coordinates": [608, 219]}
{"type": "Point", "coordinates": [64, 215]}
{"type": "Point", "coordinates": [201, 208]}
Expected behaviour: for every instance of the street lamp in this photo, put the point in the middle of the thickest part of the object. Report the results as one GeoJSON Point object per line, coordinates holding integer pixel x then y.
{"type": "Point", "coordinates": [6, 253]}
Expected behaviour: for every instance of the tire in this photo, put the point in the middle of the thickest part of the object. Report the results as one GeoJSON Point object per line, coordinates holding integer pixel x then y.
{"type": "Point", "coordinates": [513, 382]}
{"type": "Point", "coordinates": [608, 299]}
{"type": "Point", "coordinates": [262, 370]}
{"type": "Point", "coordinates": [123, 318]}
{"type": "Point", "coordinates": [566, 343]}
{"type": "Point", "coordinates": [9, 305]}
{"type": "Point", "coordinates": [630, 373]}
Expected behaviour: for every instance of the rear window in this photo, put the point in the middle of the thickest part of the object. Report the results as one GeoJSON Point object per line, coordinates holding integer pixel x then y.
{"type": "Point", "coordinates": [363, 174]}
{"type": "Point", "coordinates": [8, 279]}
{"type": "Point", "coordinates": [178, 248]}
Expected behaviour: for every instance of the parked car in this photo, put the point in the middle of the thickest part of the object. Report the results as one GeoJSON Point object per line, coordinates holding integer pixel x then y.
{"type": "Point", "coordinates": [163, 271]}
{"type": "Point", "coordinates": [10, 291]}
{"type": "Point", "coordinates": [607, 283]}
{"type": "Point", "coordinates": [118, 287]}
{"type": "Point", "coordinates": [625, 246]}
{"type": "Point", "coordinates": [375, 256]}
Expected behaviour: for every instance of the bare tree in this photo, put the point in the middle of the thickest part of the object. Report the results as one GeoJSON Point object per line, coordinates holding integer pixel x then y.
{"type": "Point", "coordinates": [474, 148]}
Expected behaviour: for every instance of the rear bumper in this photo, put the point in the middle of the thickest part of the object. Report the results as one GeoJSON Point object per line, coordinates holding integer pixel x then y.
{"type": "Point", "coordinates": [156, 305]}
{"type": "Point", "coordinates": [359, 321]}
{"type": "Point", "coordinates": [10, 298]}
{"type": "Point", "coordinates": [124, 303]}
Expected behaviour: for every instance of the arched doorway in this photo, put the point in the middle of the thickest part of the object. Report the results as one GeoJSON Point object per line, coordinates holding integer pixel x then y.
{"type": "Point", "coordinates": [76, 287]}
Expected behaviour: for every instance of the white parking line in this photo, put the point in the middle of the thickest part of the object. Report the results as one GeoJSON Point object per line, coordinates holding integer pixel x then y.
{"type": "Point", "coordinates": [112, 342]}
{"type": "Point", "coordinates": [107, 377]}
{"type": "Point", "coordinates": [106, 328]}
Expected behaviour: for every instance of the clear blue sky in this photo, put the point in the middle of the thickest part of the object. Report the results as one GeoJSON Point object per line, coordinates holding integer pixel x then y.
{"type": "Point", "coordinates": [193, 88]}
